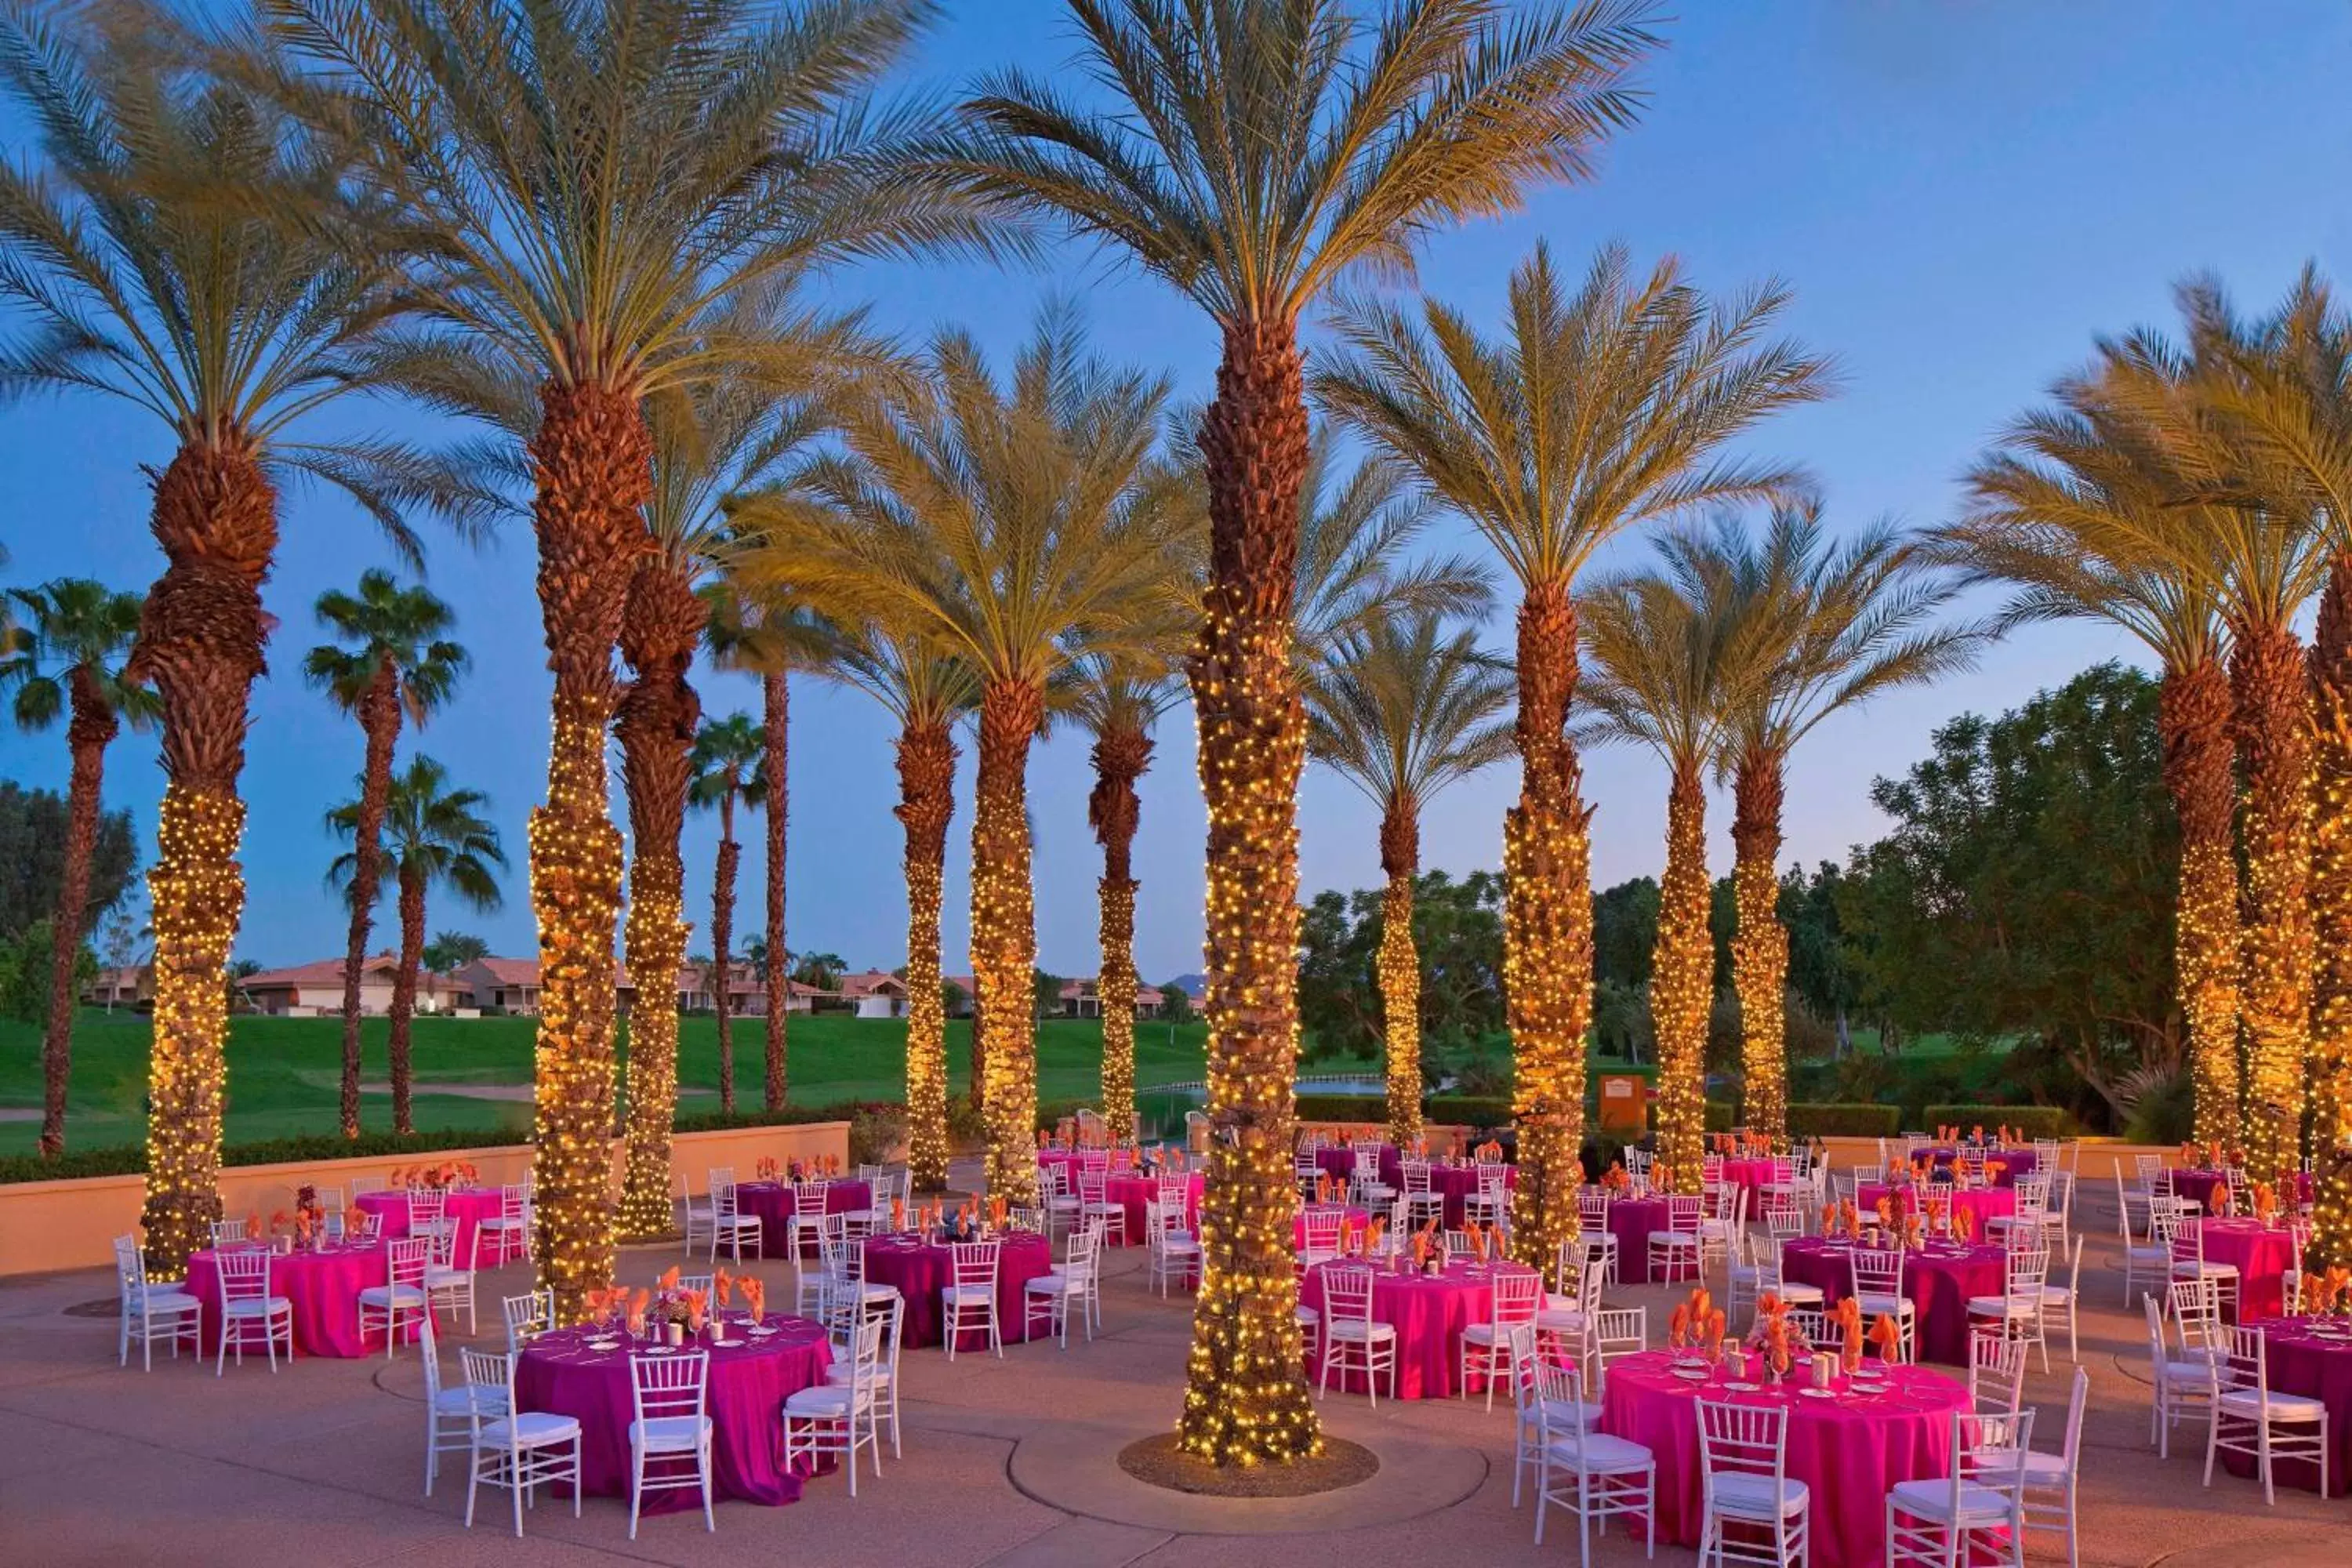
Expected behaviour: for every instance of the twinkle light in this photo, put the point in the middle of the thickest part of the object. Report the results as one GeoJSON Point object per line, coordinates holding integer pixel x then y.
{"type": "Point", "coordinates": [1399, 969]}
{"type": "Point", "coordinates": [1115, 990]}
{"type": "Point", "coordinates": [2331, 908]}
{"type": "Point", "coordinates": [658, 935]}
{"type": "Point", "coordinates": [1245, 1394]}
{"type": "Point", "coordinates": [1682, 984]}
{"type": "Point", "coordinates": [1004, 939]}
{"type": "Point", "coordinates": [927, 758]}
{"type": "Point", "coordinates": [1759, 946]}
{"type": "Point", "coordinates": [2273, 707]}
{"type": "Point", "coordinates": [2200, 772]}
{"type": "Point", "coordinates": [576, 892]}
{"type": "Point", "coordinates": [197, 892]}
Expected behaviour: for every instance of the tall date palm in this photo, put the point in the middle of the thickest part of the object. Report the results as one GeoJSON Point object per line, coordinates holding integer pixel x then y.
{"type": "Point", "coordinates": [726, 753]}
{"type": "Point", "coordinates": [1254, 151]}
{"type": "Point", "coordinates": [390, 659]}
{"type": "Point", "coordinates": [65, 660]}
{"type": "Point", "coordinates": [1601, 410]}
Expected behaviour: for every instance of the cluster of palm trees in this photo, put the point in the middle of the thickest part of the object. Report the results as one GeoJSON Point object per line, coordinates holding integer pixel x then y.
{"type": "Point", "coordinates": [2195, 491]}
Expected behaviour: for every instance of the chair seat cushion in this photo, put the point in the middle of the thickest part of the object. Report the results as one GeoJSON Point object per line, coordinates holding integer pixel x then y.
{"type": "Point", "coordinates": [967, 1295]}
{"type": "Point", "coordinates": [2196, 1373]}
{"type": "Point", "coordinates": [2188, 1268]}
{"type": "Point", "coordinates": [263, 1306]}
{"type": "Point", "coordinates": [840, 1373]}
{"type": "Point", "coordinates": [2056, 1295]}
{"type": "Point", "coordinates": [1999, 1307]}
{"type": "Point", "coordinates": [160, 1298]}
{"type": "Point", "coordinates": [1055, 1283]}
{"type": "Point", "coordinates": [1487, 1333]}
{"type": "Point", "coordinates": [669, 1434]}
{"type": "Point", "coordinates": [1561, 1320]}
{"type": "Point", "coordinates": [441, 1277]}
{"type": "Point", "coordinates": [2042, 1470]}
{"type": "Point", "coordinates": [530, 1430]}
{"type": "Point", "coordinates": [1598, 1453]}
{"type": "Point", "coordinates": [1306, 1316]}
{"type": "Point", "coordinates": [1752, 1496]}
{"type": "Point", "coordinates": [1893, 1306]}
{"type": "Point", "coordinates": [1563, 1417]}
{"type": "Point", "coordinates": [499, 1222]}
{"type": "Point", "coordinates": [1793, 1291]}
{"type": "Point", "coordinates": [1358, 1332]}
{"type": "Point", "coordinates": [2251, 1403]}
{"type": "Point", "coordinates": [1674, 1238]}
{"type": "Point", "coordinates": [824, 1400]}
{"type": "Point", "coordinates": [1933, 1500]}
{"type": "Point", "coordinates": [392, 1295]}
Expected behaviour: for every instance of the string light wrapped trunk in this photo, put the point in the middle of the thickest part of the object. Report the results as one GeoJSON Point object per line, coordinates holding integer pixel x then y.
{"type": "Point", "coordinates": [1759, 946]}
{"type": "Point", "coordinates": [660, 628]}
{"type": "Point", "coordinates": [1005, 938]}
{"type": "Point", "coordinates": [404, 999]}
{"type": "Point", "coordinates": [1114, 811]}
{"type": "Point", "coordinates": [200, 642]}
{"type": "Point", "coordinates": [1245, 1396]}
{"type": "Point", "coordinates": [2273, 721]}
{"type": "Point", "coordinates": [927, 759]}
{"type": "Point", "coordinates": [1547, 931]}
{"type": "Point", "coordinates": [2201, 772]}
{"type": "Point", "coordinates": [1398, 965]}
{"type": "Point", "coordinates": [593, 461]}
{"type": "Point", "coordinates": [379, 717]}
{"type": "Point", "coordinates": [775, 702]}
{"type": "Point", "coordinates": [2331, 908]}
{"type": "Point", "coordinates": [1682, 982]}
{"type": "Point", "coordinates": [91, 729]}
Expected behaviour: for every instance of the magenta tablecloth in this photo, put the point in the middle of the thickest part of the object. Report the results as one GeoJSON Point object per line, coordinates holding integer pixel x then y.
{"type": "Point", "coordinates": [2015, 1163]}
{"type": "Point", "coordinates": [1848, 1451]}
{"type": "Point", "coordinates": [1341, 1162]}
{"type": "Point", "coordinates": [2198, 1186]}
{"type": "Point", "coordinates": [1631, 1221]}
{"type": "Point", "coordinates": [2317, 1367]}
{"type": "Point", "coordinates": [775, 1203]}
{"type": "Point", "coordinates": [1754, 1176]}
{"type": "Point", "coordinates": [1132, 1192]}
{"type": "Point", "coordinates": [467, 1205]}
{"type": "Point", "coordinates": [1352, 1226]}
{"type": "Point", "coordinates": [1979, 1204]}
{"type": "Point", "coordinates": [1429, 1312]}
{"type": "Point", "coordinates": [920, 1270]}
{"type": "Point", "coordinates": [2262, 1254]}
{"type": "Point", "coordinates": [1458, 1184]}
{"type": "Point", "coordinates": [749, 1381]}
{"type": "Point", "coordinates": [324, 1288]}
{"type": "Point", "coordinates": [1938, 1280]}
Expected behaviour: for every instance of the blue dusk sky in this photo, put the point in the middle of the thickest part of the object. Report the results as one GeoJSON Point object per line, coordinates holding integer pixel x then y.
{"type": "Point", "coordinates": [1960, 195]}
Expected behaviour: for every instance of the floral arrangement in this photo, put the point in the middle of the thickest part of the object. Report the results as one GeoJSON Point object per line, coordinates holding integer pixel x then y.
{"type": "Point", "coordinates": [1773, 1334]}
{"type": "Point", "coordinates": [1490, 1150]}
{"type": "Point", "coordinates": [1964, 1225]}
{"type": "Point", "coordinates": [1615, 1179]}
{"type": "Point", "coordinates": [2265, 1201]}
{"type": "Point", "coordinates": [764, 1168]}
{"type": "Point", "coordinates": [445, 1173]}
{"type": "Point", "coordinates": [1994, 1171]}
{"type": "Point", "coordinates": [670, 1304]}
{"type": "Point", "coordinates": [822, 1167]}
{"type": "Point", "coordinates": [1841, 1219]}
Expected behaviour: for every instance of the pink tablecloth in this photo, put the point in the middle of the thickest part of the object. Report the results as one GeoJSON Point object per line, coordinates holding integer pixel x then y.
{"type": "Point", "coordinates": [2262, 1254]}
{"type": "Point", "coordinates": [1429, 1312]}
{"type": "Point", "coordinates": [324, 1288]}
{"type": "Point", "coordinates": [1753, 1176]}
{"type": "Point", "coordinates": [775, 1203]}
{"type": "Point", "coordinates": [1979, 1204]}
{"type": "Point", "coordinates": [1939, 1281]}
{"type": "Point", "coordinates": [920, 1270]}
{"type": "Point", "coordinates": [2198, 1186]}
{"type": "Point", "coordinates": [750, 1380]}
{"type": "Point", "coordinates": [2015, 1163]}
{"type": "Point", "coordinates": [1351, 1225]}
{"type": "Point", "coordinates": [467, 1205]}
{"type": "Point", "coordinates": [1848, 1452]}
{"type": "Point", "coordinates": [1132, 1192]}
{"type": "Point", "coordinates": [1631, 1221]}
{"type": "Point", "coordinates": [2317, 1367]}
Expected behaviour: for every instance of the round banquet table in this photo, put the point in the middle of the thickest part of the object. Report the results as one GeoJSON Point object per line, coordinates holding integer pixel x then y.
{"type": "Point", "coordinates": [1631, 1221]}
{"type": "Point", "coordinates": [775, 1203]}
{"type": "Point", "coordinates": [1132, 1192]}
{"type": "Point", "coordinates": [2262, 1253]}
{"type": "Point", "coordinates": [467, 1205]}
{"type": "Point", "coordinates": [2317, 1366]}
{"type": "Point", "coordinates": [1979, 1204]}
{"type": "Point", "coordinates": [324, 1286]}
{"type": "Point", "coordinates": [1340, 1161]}
{"type": "Point", "coordinates": [1429, 1313]}
{"type": "Point", "coordinates": [1458, 1184]}
{"type": "Point", "coordinates": [2015, 1163]}
{"type": "Point", "coordinates": [1754, 1176]}
{"type": "Point", "coordinates": [1938, 1279]}
{"type": "Point", "coordinates": [1352, 1222]}
{"type": "Point", "coordinates": [2197, 1186]}
{"type": "Point", "coordinates": [920, 1268]}
{"type": "Point", "coordinates": [1848, 1450]}
{"type": "Point", "coordinates": [749, 1379]}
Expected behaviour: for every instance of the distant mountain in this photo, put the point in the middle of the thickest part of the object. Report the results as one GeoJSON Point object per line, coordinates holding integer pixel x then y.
{"type": "Point", "coordinates": [1190, 985]}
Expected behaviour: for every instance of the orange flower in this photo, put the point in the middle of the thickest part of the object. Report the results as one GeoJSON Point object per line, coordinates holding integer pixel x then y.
{"type": "Point", "coordinates": [1885, 1335]}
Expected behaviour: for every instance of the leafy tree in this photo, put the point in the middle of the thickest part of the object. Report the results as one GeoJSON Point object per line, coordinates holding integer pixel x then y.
{"type": "Point", "coordinates": [450, 950]}
{"type": "Point", "coordinates": [1045, 992]}
{"type": "Point", "coordinates": [1625, 931]}
{"type": "Point", "coordinates": [1175, 1004]}
{"type": "Point", "coordinates": [2027, 886]}
{"type": "Point", "coordinates": [819, 971]}
{"type": "Point", "coordinates": [33, 828]}
{"type": "Point", "coordinates": [1457, 936]}
{"type": "Point", "coordinates": [27, 991]}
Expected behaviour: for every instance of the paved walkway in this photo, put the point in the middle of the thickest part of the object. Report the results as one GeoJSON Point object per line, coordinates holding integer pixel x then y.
{"type": "Point", "coordinates": [1007, 1464]}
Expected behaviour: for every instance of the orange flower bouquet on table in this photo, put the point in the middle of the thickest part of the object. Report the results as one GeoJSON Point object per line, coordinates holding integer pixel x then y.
{"type": "Point", "coordinates": [1616, 1180]}
{"type": "Point", "coordinates": [253, 1227]}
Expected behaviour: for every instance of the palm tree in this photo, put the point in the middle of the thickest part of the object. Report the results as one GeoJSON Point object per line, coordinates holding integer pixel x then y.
{"type": "Point", "coordinates": [1011, 525]}
{"type": "Point", "coordinates": [172, 243]}
{"type": "Point", "coordinates": [1604, 410]}
{"type": "Point", "coordinates": [2080, 516]}
{"type": "Point", "coordinates": [927, 694]}
{"type": "Point", "coordinates": [1673, 660]}
{"type": "Point", "coordinates": [1400, 710]}
{"type": "Point", "coordinates": [437, 836]}
{"type": "Point", "coordinates": [1259, 149]}
{"type": "Point", "coordinates": [1845, 623]}
{"type": "Point", "coordinates": [1353, 532]}
{"type": "Point", "coordinates": [451, 951]}
{"type": "Point", "coordinates": [1118, 701]}
{"type": "Point", "coordinates": [726, 751]}
{"type": "Point", "coordinates": [590, 183]}
{"type": "Point", "coordinates": [66, 656]}
{"type": "Point", "coordinates": [390, 657]}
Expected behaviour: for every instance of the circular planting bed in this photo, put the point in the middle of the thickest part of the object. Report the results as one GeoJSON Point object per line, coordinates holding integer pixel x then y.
{"type": "Point", "coordinates": [1158, 1461]}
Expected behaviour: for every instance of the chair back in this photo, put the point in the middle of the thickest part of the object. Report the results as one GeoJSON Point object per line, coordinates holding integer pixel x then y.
{"type": "Point", "coordinates": [328, 1199]}
{"type": "Point", "coordinates": [405, 1260]}
{"type": "Point", "coordinates": [426, 1206]}
{"type": "Point", "coordinates": [669, 1385]}
{"type": "Point", "coordinates": [2245, 1365]}
{"type": "Point", "coordinates": [361, 1227]}
{"type": "Point", "coordinates": [1592, 1208]}
{"type": "Point", "coordinates": [513, 1200]}
{"type": "Point", "coordinates": [2196, 1308]}
{"type": "Point", "coordinates": [2184, 1240]}
{"type": "Point", "coordinates": [2032, 1194]}
{"type": "Point", "coordinates": [359, 1184]}
{"type": "Point", "coordinates": [1683, 1215]}
{"type": "Point", "coordinates": [810, 1198]}
{"type": "Point", "coordinates": [130, 1268]}
{"type": "Point", "coordinates": [724, 1203]}
{"type": "Point", "coordinates": [1367, 1163]}
{"type": "Point", "coordinates": [975, 1262]}
{"type": "Point", "coordinates": [1416, 1175]}
{"type": "Point", "coordinates": [1461, 1246]}
{"type": "Point", "coordinates": [1175, 1194]}
{"type": "Point", "coordinates": [717, 1176]}
{"type": "Point", "coordinates": [1742, 1439]}
{"type": "Point", "coordinates": [1516, 1293]}
{"type": "Point", "coordinates": [441, 1242]}
{"type": "Point", "coordinates": [2026, 1270]}
{"type": "Point", "coordinates": [245, 1273]}
{"type": "Point", "coordinates": [228, 1232]}
{"type": "Point", "coordinates": [1093, 1186]}
{"type": "Point", "coordinates": [1984, 1450]}
{"type": "Point", "coordinates": [487, 1370]}
{"type": "Point", "coordinates": [1996, 1373]}
{"type": "Point", "coordinates": [2077, 1401]}
{"type": "Point", "coordinates": [1877, 1270]}
{"type": "Point", "coordinates": [1348, 1292]}
{"type": "Point", "coordinates": [1084, 1253]}
{"type": "Point", "coordinates": [870, 1174]}
{"type": "Point", "coordinates": [1323, 1225]}
{"type": "Point", "coordinates": [527, 1317]}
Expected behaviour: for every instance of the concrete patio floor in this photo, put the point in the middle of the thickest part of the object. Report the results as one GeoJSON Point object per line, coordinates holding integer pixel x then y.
{"type": "Point", "coordinates": [1007, 1463]}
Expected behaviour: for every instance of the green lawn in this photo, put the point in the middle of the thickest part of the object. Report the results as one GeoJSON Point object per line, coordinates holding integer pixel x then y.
{"type": "Point", "coordinates": [283, 1072]}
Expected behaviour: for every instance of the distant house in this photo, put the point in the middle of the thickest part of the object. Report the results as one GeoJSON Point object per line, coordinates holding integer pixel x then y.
{"type": "Point", "coordinates": [969, 986]}
{"type": "Point", "coordinates": [124, 988]}
{"type": "Point", "coordinates": [875, 993]}
{"type": "Point", "coordinates": [511, 984]}
{"type": "Point", "coordinates": [316, 989]}
{"type": "Point", "coordinates": [1083, 999]}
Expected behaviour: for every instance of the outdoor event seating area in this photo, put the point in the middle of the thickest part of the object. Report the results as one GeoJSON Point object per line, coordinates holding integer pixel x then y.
{"type": "Point", "coordinates": [1823, 1380]}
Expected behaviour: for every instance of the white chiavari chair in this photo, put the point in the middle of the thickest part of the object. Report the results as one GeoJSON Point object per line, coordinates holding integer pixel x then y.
{"type": "Point", "coordinates": [669, 1438]}
{"type": "Point", "coordinates": [1353, 1340]}
{"type": "Point", "coordinates": [151, 1313]}
{"type": "Point", "coordinates": [843, 1417]}
{"type": "Point", "coordinates": [967, 1302]}
{"type": "Point", "coordinates": [2252, 1419]}
{"type": "Point", "coordinates": [1973, 1513]}
{"type": "Point", "coordinates": [401, 1299]}
{"type": "Point", "coordinates": [1745, 1489]}
{"type": "Point", "coordinates": [519, 1450]}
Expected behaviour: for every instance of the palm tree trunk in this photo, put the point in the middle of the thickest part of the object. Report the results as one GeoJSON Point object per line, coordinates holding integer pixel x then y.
{"type": "Point", "coordinates": [1681, 983]}
{"type": "Point", "coordinates": [2193, 709]}
{"type": "Point", "coordinates": [1004, 939]}
{"type": "Point", "coordinates": [378, 715]}
{"type": "Point", "coordinates": [723, 936]}
{"type": "Point", "coordinates": [1114, 810]}
{"type": "Point", "coordinates": [2331, 908]}
{"type": "Point", "coordinates": [1400, 968]}
{"type": "Point", "coordinates": [200, 642]}
{"type": "Point", "coordinates": [1547, 931]}
{"type": "Point", "coordinates": [2272, 698]}
{"type": "Point", "coordinates": [93, 728]}
{"type": "Point", "coordinates": [404, 996]}
{"type": "Point", "coordinates": [927, 759]}
{"type": "Point", "coordinates": [1759, 948]}
{"type": "Point", "coordinates": [776, 701]}
{"type": "Point", "coordinates": [659, 630]}
{"type": "Point", "coordinates": [594, 462]}
{"type": "Point", "coordinates": [1246, 1399]}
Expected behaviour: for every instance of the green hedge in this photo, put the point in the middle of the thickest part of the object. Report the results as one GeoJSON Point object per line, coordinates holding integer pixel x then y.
{"type": "Point", "coordinates": [1722, 1115]}
{"type": "Point", "coordinates": [1845, 1120]}
{"type": "Point", "coordinates": [1467, 1110]}
{"type": "Point", "coordinates": [1361, 1108]}
{"type": "Point", "coordinates": [2028, 1121]}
